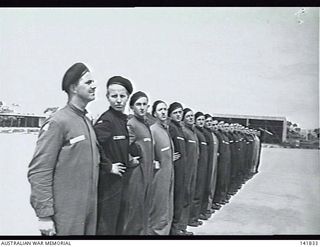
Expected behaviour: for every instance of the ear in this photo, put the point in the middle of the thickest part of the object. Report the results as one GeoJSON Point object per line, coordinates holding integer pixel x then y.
{"type": "Point", "coordinates": [72, 88]}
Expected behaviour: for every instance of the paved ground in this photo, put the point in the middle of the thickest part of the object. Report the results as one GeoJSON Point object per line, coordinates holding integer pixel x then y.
{"type": "Point", "coordinates": [283, 198]}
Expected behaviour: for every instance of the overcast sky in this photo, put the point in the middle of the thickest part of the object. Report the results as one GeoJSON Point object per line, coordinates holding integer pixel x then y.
{"type": "Point", "coordinates": [253, 61]}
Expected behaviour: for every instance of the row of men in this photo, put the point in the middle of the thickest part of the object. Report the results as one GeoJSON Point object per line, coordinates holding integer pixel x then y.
{"type": "Point", "coordinates": [143, 175]}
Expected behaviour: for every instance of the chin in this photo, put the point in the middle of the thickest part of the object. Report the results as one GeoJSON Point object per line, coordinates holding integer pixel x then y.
{"type": "Point", "coordinates": [117, 109]}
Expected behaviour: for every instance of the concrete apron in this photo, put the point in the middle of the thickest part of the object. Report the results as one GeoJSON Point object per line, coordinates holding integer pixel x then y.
{"type": "Point", "coordinates": [283, 198]}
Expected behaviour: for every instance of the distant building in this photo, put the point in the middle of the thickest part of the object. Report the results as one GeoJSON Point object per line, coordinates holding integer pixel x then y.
{"type": "Point", "coordinates": [49, 111]}
{"type": "Point", "coordinates": [273, 129]}
{"type": "Point", "coordinates": [17, 120]}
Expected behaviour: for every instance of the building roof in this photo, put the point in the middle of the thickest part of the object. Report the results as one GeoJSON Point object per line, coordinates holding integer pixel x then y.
{"type": "Point", "coordinates": [21, 114]}
{"type": "Point", "coordinates": [249, 117]}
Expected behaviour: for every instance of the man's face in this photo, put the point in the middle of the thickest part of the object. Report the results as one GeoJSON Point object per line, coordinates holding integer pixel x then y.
{"type": "Point", "coordinates": [117, 96]}
{"type": "Point", "coordinates": [208, 123]}
{"type": "Point", "coordinates": [85, 89]}
{"type": "Point", "coordinates": [200, 121]}
{"type": "Point", "coordinates": [176, 115]}
{"type": "Point", "coordinates": [189, 118]}
{"type": "Point", "coordinates": [161, 112]}
{"type": "Point", "coordinates": [140, 107]}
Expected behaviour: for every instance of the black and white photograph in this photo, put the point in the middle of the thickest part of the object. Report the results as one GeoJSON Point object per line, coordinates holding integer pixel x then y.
{"type": "Point", "coordinates": [159, 122]}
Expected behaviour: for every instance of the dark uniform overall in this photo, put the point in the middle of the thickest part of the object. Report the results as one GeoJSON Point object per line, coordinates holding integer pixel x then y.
{"type": "Point", "coordinates": [223, 168]}
{"type": "Point", "coordinates": [205, 199]}
{"type": "Point", "coordinates": [178, 139]}
{"type": "Point", "coordinates": [233, 162]}
{"type": "Point", "coordinates": [214, 176]}
{"type": "Point", "coordinates": [238, 142]}
{"type": "Point", "coordinates": [112, 134]}
{"type": "Point", "coordinates": [249, 154]}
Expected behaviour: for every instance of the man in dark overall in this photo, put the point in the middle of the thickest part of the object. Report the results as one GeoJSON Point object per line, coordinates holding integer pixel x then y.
{"type": "Point", "coordinates": [249, 153]}
{"type": "Point", "coordinates": [112, 134]}
{"type": "Point", "coordinates": [223, 179]}
{"type": "Point", "coordinates": [201, 171]}
{"type": "Point", "coordinates": [234, 159]}
{"type": "Point", "coordinates": [175, 112]}
{"type": "Point", "coordinates": [215, 205]}
{"type": "Point", "coordinates": [205, 213]}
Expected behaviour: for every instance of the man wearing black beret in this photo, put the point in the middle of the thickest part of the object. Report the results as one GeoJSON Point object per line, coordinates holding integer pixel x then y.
{"type": "Point", "coordinates": [63, 172]}
{"type": "Point", "coordinates": [112, 134]}
{"type": "Point", "coordinates": [223, 178]}
{"type": "Point", "coordinates": [206, 210]}
{"type": "Point", "coordinates": [138, 178]}
{"type": "Point", "coordinates": [175, 113]}
{"type": "Point", "coordinates": [192, 149]}
{"type": "Point", "coordinates": [201, 171]}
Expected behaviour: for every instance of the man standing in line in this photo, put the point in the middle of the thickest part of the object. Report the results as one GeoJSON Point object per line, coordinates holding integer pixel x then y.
{"type": "Point", "coordinates": [205, 212]}
{"type": "Point", "coordinates": [161, 212]}
{"type": "Point", "coordinates": [233, 159]}
{"type": "Point", "coordinates": [249, 153]}
{"type": "Point", "coordinates": [259, 136]}
{"type": "Point", "coordinates": [175, 112]}
{"type": "Point", "coordinates": [138, 177]}
{"type": "Point", "coordinates": [258, 141]}
{"type": "Point", "coordinates": [255, 152]}
{"type": "Point", "coordinates": [236, 184]}
{"type": "Point", "coordinates": [220, 196]}
{"type": "Point", "coordinates": [201, 171]}
{"type": "Point", "coordinates": [213, 178]}
{"type": "Point", "coordinates": [216, 153]}
{"type": "Point", "coordinates": [192, 150]}
{"type": "Point", "coordinates": [112, 134]}
{"type": "Point", "coordinates": [63, 172]}
{"type": "Point", "coordinates": [242, 156]}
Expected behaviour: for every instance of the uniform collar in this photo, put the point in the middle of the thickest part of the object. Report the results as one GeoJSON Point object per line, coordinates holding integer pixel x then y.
{"type": "Point", "coordinates": [143, 120]}
{"type": "Point", "coordinates": [189, 126]}
{"type": "Point", "coordinates": [163, 125]}
{"type": "Point", "coordinates": [178, 124]}
{"type": "Point", "coordinates": [77, 110]}
{"type": "Point", "coordinates": [118, 113]}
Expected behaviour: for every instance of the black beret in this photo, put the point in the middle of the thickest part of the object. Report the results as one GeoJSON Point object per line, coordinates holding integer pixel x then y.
{"type": "Point", "coordinates": [73, 74]}
{"type": "Point", "coordinates": [137, 96]}
{"type": "Point", "coordinates": [198, 114]}
{"type": "Point", "coordinates": [207, 116]}
{"type": "Point", "coordinates": [155, 104]}
{"type": "Point", "coordinates": [185, 110]}
{"type": "Point", "coordinates": [120, 81]}
{"type": "Point", "coordinates": [174, 106]}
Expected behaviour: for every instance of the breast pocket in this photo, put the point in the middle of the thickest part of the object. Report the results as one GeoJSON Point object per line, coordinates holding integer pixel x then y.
{"type": "Point", "coordinates": [119, 137]}
{"type": "Point", "coordinates": [73, 142]}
